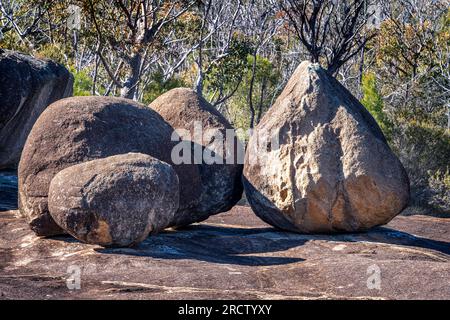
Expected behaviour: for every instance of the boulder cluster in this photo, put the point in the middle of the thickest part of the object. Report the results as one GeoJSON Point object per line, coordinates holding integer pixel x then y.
{"type": "Point", "coordinates": [101, 169]}
{"type": "Point", "coordinates": [106, 170]}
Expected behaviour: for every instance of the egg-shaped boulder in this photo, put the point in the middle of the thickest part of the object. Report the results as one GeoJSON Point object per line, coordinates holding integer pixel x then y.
{"type": "Point", "coordinates": [319, 163]}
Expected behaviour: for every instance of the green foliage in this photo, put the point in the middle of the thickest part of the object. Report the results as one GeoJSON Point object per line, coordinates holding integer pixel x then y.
{"type": "Point", "coordinates": [265, 87]}
{"type": "Point", "coordinates": [424, 147]}
{"type": "Point", "coordinates": [264, 70]}
{"type": "Point", "coordinates": [11, 41]}
{"type": "Point", "coordinates": [188, 26]}
{"type": "Point", "coordinates": [411, 58]}
{"type": "Point", "coordinates": [439, 188]}
{"type": "Point", "coordinates": [227, 73]}
{"type": "Point", "coordinates": [54, 52]}
{"type": "Point", "coordinates": [82, 84]}
{"type": "Point", "coordinates": [373, 102]}
{"type": "Point", "coordinates": [158, 86]}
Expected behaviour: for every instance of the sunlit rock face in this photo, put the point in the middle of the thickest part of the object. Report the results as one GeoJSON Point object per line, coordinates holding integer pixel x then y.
{"type": "Point", "coordinates": [331, 169]}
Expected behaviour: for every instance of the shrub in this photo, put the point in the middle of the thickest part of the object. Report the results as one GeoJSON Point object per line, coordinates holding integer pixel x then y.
{"type": "Point", "coordinates": [82, 83]}
{"type": "Point", "coordinates": [424, 150]}
{"type": "Point", "coordinates": [439, 190]}
{"type": "Point", "coordinates": [373, 101]}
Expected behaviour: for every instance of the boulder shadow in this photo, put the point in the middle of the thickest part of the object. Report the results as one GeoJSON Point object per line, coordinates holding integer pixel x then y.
{"type": "Point", "coordinates": [391, 236]}
{"type": "Point", "coordinates": [380, 234]}
{"type": "Point", "coordinates": [8, 190]}
{"type": "Point", "coordinates": [217, 244]}
{"type": "Point", "coordinates": [241, 246]}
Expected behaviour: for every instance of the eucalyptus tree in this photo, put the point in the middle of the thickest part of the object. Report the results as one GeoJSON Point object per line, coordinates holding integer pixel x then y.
{"type": "Point", "coordinates": [260, 24]}
{"type": "Point", "coordinates": [130, 31]}
{"type": "Point", "coordinates": [332, 31]}
{"type": "Point", "coordinates": [17, 17]}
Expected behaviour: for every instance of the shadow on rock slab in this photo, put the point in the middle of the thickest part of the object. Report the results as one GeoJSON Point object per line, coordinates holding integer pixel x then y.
{"type": "Point", "coordinates": [217, 244]}
{"type": "Point", "coordinates": [382, 234]}
{"type": "Point", "coordinates": [226, 245]}
{"type": "Point", "coordinates": [6, 256]}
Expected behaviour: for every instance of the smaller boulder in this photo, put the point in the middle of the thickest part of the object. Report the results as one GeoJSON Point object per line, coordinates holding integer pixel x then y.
{"type": "Point", "coordinates": [115, 201]}
{"type": "Point", "coordinates": [209, 132]}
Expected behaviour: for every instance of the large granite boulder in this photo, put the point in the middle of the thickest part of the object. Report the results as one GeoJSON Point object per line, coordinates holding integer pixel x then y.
{"type": "Point", "coordinates": [114, 201]}
{"type": "Point", "coordinates": [80, 129]}
{"type": "Point", "coordinates": [28, 85]}
{"type": "Point", "coordinates": [331, 169]}
{"type": "Point", "coordinates": [220, 170]}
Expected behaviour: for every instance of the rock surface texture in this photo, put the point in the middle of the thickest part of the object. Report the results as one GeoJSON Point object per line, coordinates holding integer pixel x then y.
{"type": "Point", "coordinates": [27, 86]}
{"type": "Point", "coordinates": [232, 256]}
{"type": "Point", "coordinates": [332, 171]}
{"type": "Point", "coordinates": [222, 188]}
{"type": "Point", "coordinates": [80, 129]}
{"type": "Point", "coordinates": [114, 201]}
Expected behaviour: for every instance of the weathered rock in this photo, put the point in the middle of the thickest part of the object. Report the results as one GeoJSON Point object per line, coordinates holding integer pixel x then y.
{"type": "Point", "coordinates": [233, 256]}
{"type": "Point", "coordinates": [332, 171]}
{"type": "Point", "coordinates": [114, 201]}
{"type": "Point", "coordinates": [79, 129]}
{"type": "Point", "coordinates": [222, 188]}
{"type": "Point", "coordinates": [28, 85]}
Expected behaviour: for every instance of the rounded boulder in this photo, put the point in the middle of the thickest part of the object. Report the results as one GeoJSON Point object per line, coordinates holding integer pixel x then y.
{"type": "Point", "coordinates": [115, 201]}
{"type": "Point", "coordinates": [28, 85]}
{"type": "Point", "coordinates": [215, 149]}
